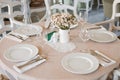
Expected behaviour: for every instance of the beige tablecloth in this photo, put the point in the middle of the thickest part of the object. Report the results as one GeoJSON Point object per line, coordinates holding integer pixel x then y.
{"type": "Point", "coordinates": [52, 68]}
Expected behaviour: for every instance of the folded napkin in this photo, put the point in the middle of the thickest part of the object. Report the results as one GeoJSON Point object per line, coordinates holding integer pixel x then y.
{"type": "Point", "coordinates": [96, 28]}
{"type": "Point", "coordinates": [49, 35]}
{"type": "Point", "coordinates": [103, 63]}
{"type": "Point", "coordinates": [16, 36]}
{"type": "Point", "coordinates": [29, 66]}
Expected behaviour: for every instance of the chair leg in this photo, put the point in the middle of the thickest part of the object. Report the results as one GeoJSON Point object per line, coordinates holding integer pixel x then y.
{"type": "Point", "coordinates": [2, 23]}
{"type": "Point", "coordinates": [92, 2]}
{"type": "Point", "coordinates": [98, 4]}
{"type": "Point", "coordinates": [115, 73]}
{"type": "Point", "coordinates": [87, 9]}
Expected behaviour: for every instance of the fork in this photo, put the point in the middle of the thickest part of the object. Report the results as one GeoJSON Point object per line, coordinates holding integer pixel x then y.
{"type": "Point", "coordinates": [92, 52]}
{"type": "Point", "coordinates": [94, 28]}
{"type": "Point", "coordinates": [17, 36]}
{"type": "Point", "coordinates": [31, 61]}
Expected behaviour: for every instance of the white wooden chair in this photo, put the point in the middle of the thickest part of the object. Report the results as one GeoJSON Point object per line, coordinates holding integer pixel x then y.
{"type": "Point", "coordinates": [88, 5]}
{"type": "Point", "coordinates": [112, 20]}
{"type": "Point", "coordinates": [116, 74]}
{"type": "Point", "coordinates": [60, 7]}
{"type": "Point", "coordinates": [38, 9]}
{"type": "Point", "coordinates": [28, 10]}
{"type": "Point", "coordinates": [10, 14]}
{"type": "Point", "coordinates": [66, 7]}
{"type": "Point", "coordinates": [99, 3]}
{"type": "Point", "coordinates": [113, 27]}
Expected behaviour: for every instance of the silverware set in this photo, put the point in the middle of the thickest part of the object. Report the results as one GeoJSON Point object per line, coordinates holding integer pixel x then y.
{"type": "Point", "coordinates": [38, 58]}
{"type": "Point", "coordinates": [92, 52]}
{"type": "Point", "coordinates": [17, 36]}
{"type": "Point", "coordinates": [94, 28]}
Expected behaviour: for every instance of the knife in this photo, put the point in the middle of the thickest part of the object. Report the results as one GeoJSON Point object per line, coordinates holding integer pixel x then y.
{"type": "Point", "coordinates": [94, 28]}
{"type": "Point", "coordinates": [32, 35]}
{"type": "Point", "coordinates": [17, 36]}
{"type": "Point", "coordinates": [94, 53]}
{"type": "Point", "coordinates": [31, 62]}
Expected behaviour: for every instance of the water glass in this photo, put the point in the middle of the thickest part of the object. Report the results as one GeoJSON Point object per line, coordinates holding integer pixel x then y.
{"type": "Point", "coordinates": [84, 35]}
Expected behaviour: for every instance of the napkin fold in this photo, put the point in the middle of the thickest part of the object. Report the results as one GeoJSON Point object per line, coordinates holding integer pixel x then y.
{"type": "Point", "coordinates": [96, 28]}
{"type": "Point", "coordinates": [16, 36]}
{"type": "Point", "coordinates": [29, 66]}
{"type": "Point", "coordinates": [103, 63]}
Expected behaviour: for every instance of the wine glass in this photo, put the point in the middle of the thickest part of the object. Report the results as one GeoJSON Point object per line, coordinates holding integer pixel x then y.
{"type": "Point", "coordinates": [84, 36]}
{"type": "Point", "coordinates": [83, 24]}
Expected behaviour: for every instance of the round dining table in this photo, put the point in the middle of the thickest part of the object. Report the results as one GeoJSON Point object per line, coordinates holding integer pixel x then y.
{"type": "Point", "coordinates": [52, 69]}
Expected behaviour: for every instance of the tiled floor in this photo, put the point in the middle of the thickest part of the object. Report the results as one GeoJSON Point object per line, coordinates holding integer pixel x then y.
{"type": "Point", "coordinates": [96, 15]}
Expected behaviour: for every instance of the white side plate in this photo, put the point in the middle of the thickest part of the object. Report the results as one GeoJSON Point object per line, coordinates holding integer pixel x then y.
{"type": "Point", "coordinates": [80, 63]}
{"type": "Point", "coordinates": [21, 52]}
{"type": "Point", "coordinates": [102, 36]}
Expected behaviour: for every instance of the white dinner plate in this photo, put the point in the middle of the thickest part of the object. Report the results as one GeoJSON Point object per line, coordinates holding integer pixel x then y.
{"type": "Point", "coordinates": [29, 30]}
{"type": "Point", "coordinates": [102, 36]}
{"type": "Point", "coordinates": [21, 52]}
{"type": "Point", "coordinates": [80, 63]}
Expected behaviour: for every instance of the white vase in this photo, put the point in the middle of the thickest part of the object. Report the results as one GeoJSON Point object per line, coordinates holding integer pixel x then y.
{"type": "Point", "coordinates": [64, 36]}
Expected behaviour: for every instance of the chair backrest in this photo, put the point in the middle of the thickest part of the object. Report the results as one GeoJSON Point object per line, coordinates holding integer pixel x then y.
{"type": "Point", "coordinates": [67, 8]}
{"type": "Point", "coordinates": [115, 14]}
{"type": "Point", "coordinates": [114, 10]}
{"type": "Point", "coordinates": [112, 21]}
{"type": "Point", "coordinates": [10, 13]}
{"type": "Point", "coordinates": [37, 7]}
{"type": "Point", "coordinates": [14, 9]}
{"type": "Point", "coordinates": [60, 8]}
{"type": "Point", "coordinates": [87, 6]}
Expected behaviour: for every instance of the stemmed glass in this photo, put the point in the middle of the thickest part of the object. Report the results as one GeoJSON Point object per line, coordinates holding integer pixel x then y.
{"type": "Point", "coordinates": [83, 24]}
{"type": "Point", "coordinates": [83, 34]}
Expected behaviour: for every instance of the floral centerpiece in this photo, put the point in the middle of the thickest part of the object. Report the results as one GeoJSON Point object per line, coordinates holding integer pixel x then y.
{"type": "Point", "coordinates": [63, 20]}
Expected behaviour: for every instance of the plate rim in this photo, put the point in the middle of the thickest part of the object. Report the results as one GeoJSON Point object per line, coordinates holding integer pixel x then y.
{"type": "Point", "coordinates": [33, 26]}
{"type": "Point", "coordinates": [113, 34]}
{"type": "Point", "coordinates": [18, 45]}
{"type": "Point", "coordinates": [74, 26]}
{"type": "Point", "coordinates": [80, 53]}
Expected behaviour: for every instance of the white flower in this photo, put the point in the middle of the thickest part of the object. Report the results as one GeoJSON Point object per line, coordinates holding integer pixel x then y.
{"type": "Point", "coordinates": [63, 20]}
